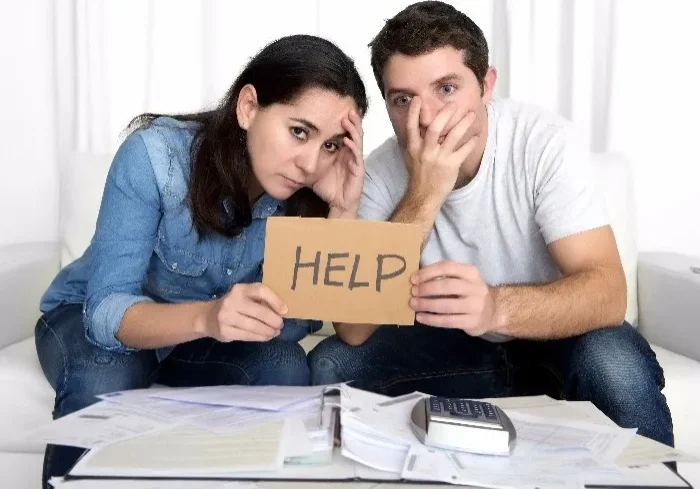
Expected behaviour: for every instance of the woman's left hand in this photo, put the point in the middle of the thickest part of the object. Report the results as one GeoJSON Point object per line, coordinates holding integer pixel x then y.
{"type": "Point", "coordinates": [341, 186]}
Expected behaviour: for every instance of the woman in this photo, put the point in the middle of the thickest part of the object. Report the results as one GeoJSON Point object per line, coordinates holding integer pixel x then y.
{"type": "Point", "coordinates": [169, 289]}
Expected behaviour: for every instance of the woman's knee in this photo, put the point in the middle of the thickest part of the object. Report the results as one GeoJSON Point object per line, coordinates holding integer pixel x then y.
{"type": "Point", "coordinates": [78, 370]}
{"type": "Point", "coordinates": [280, 363]}
{"type": "Point", "coordinates": [330, 361]}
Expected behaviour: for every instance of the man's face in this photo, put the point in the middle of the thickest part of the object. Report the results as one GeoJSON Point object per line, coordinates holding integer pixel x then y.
{"type": "Point", "coordinates": [437, 78]}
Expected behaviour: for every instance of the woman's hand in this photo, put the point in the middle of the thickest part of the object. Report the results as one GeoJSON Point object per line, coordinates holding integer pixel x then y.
{"type": "Point", "coordinates": [341, 186]}
{"type": "Point", "coordinates": [249, 312]}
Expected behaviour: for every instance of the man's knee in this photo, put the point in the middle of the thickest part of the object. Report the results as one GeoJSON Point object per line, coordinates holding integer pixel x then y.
{"type": "Point", "coordinates": [617, 370]}
{"type": "Point", "coordinates": [617, 359]}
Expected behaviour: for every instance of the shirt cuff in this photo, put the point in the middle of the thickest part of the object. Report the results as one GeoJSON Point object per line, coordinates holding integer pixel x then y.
{"type": "Point", "coordinates": [101, 329]}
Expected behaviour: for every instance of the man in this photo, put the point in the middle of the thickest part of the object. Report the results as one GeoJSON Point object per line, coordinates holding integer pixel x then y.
{"type": "Point", "coordinates": [521, 289]}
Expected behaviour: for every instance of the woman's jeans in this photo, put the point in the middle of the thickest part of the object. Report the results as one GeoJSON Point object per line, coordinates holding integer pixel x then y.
{"type": "Point", "coordinates": [79, 371]}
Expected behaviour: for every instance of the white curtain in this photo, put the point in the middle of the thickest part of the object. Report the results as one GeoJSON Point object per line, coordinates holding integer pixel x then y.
{"type": "Point", "coordinates": [622, 70]}
{"type": "Point", "coordinates": [120, 58]}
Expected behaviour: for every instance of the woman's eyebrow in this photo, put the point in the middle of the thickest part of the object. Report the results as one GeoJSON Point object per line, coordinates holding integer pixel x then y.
{"type": "Point", "coordinates": [313, 127]}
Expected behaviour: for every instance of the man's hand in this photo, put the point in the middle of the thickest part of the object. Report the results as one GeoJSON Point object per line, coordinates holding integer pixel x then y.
{"type": "Point", "coordinates": [453, 295]}
{"type": "Point", "coordinates": [434, 161]}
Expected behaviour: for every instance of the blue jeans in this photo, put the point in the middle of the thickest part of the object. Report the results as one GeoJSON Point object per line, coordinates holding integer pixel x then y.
{"type": "Point", "coordinates": [613, 367]}
{"type": "Point", "coordinates": [79, 371]}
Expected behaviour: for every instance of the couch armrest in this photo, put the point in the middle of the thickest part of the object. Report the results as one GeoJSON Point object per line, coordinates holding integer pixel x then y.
{"type": "Point", "coordinates": [668, 289]}
{"type": "Point", "coordinates": [25, 272]}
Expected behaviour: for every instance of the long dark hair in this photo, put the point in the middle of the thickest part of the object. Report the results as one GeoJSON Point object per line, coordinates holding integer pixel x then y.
{"type": "Point", "coordinates": [220, 169]}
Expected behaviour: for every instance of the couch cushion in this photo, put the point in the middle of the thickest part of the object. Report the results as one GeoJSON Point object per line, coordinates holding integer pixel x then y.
{"type": "Point", "coordinates": [27, 397]}
{"type": "Point", "coordinates": [21, 470]}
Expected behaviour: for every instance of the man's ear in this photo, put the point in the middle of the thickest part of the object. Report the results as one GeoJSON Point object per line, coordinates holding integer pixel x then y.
{"type": "Point", "coordinates": [246, 106]}
{"type": "Point", "coordinates": [489, 84]}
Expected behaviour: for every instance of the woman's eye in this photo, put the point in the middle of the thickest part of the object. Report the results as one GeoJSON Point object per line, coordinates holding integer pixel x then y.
{"type": "Point", "coordinates": [402, 100]}
{"type": "Point", "coordinates": [299, 133]}
{"type": "Point", "coordinates": [331, 147]}
{"type": "Point", "coordinates": [447, 89]}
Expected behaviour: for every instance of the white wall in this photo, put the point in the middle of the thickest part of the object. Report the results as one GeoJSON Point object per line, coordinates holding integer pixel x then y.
{"type": "Point", "coordinates": [656, 101]}
{"type": "Point", "coordinates": [197, 49]}
{"type": "Point", "coordinates": [28, 194]}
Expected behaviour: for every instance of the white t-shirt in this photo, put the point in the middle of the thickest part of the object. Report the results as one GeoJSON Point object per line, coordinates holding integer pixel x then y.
{"type": "Point", "coordinates": [534, 186]}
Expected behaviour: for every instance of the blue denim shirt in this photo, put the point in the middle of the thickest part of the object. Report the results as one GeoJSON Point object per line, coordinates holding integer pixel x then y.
{"type": "Point", "coordinates": [145, 247]}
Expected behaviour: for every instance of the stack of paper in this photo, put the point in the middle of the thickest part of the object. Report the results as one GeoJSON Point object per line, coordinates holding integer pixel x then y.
{"type": "Point", "coordinates": [269, 433]}
{"type": "Point", "coordinates": [209, 431]}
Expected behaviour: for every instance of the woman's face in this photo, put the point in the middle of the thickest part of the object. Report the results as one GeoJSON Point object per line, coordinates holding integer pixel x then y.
{"type": "Point", "coordinates": [292, 146]}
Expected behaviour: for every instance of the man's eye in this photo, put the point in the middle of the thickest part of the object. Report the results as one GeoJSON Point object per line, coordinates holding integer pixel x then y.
{"type": "Point", "coordinates": [299, 133]}
{"type": "Point", "coordinates": [402, 100]}
{"type": "Point", "coordinates": [448, 89]}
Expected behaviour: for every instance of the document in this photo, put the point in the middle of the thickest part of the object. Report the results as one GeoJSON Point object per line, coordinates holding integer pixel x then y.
{"type": "Point", "coordinates": [270, 398]}
{"type": "Point", "coordinates": [604, 442]}
{"type": "Point", "coordinates": [428, 464]}
{"type": "Point", "coordinates": [143, 400]}
{"type": "Point", "coordinates": [640, 450]}
{"type": "Point", "coordinates": [373, 452]}
{"type": "Point", "coordinates": [59, 483]}
{"type": "Point", "coordinates": [99, 425]}
{"type": "Point", "coordinates": [186, 451]}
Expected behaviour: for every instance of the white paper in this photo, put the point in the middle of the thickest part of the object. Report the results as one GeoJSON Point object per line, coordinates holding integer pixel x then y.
{"type": "Point", "coordinates": [640, 450]}
{"type": "Point", "coordinates": [373, 453]}
{"type": "Point", "coordinates": [98, 425]}
{"type": "Point", "coordinates": [523, 402]}
{"type": "Point", "coordinates": [271, 398]}
{"type": "Point", "coordinates": [425, 463]}
{"type": "Point", "coordinates": [604, 442]}
{"type": "Point", "coordinates": [296, 441]}
{"type": "Point", "coordinates": [372, 415]}
{"type": "Point", "coordinates": [58, 483]}
{"type": "Point", "coordinates": [143, 400]}
{"type": "Point", "coordinates": [186, 451]}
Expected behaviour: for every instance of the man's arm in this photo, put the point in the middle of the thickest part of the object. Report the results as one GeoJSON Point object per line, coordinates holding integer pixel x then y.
{"type": "Point", "coordinates": [433, 169]}
{"type": "Point", "coordinates": [591, 295]}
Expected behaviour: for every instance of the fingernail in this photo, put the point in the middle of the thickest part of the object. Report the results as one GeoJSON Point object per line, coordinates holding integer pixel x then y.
{"type": "Point", "coordinates": [414, 279]}
{"type": "Point", "coordinates": [285, 309]}
{"type": "Point", "coordinates": [414, 290]}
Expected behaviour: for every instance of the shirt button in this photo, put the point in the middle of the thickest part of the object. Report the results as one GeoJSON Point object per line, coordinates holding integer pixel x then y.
{"type": "Point", "coordinates": [174, 266]}
{"type": "Point", "coordinates": [229, 271]}
{"type": "Point", "coordinates": [214, 296]}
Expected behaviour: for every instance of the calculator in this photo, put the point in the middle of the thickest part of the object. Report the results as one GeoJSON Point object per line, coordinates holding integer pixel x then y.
{"type": "Point", "coordinates": [464, 425]}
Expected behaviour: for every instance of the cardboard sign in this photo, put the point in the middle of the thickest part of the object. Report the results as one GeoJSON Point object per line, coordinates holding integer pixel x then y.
{"type": "Point", "coordinates": [342, 270]}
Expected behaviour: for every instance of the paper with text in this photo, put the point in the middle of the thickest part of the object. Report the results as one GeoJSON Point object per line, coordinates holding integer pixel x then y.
{"type": "Point", "coordinates": [98, 425]}
{"type": "Point", "coordinates": [343, 270]}
{"type": "Point", "coordinates": [197, 453]}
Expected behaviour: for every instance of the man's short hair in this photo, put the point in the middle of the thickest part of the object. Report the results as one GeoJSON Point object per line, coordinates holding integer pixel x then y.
{"type": "Point", "coordinates": [425, 26]}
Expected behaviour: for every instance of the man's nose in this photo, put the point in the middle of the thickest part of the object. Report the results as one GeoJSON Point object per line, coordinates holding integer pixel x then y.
{"type": "Point", "coordinates": [429, 109]}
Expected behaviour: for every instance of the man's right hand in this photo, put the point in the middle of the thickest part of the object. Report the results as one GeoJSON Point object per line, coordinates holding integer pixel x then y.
{"type": "Point", "coordinates": [249, 312]}
{"type": "Point", "coordinates": [434, 160]}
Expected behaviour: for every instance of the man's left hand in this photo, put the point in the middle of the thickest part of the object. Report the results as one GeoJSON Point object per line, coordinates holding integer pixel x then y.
{"type": "Point", "coordinates": [453, 295]}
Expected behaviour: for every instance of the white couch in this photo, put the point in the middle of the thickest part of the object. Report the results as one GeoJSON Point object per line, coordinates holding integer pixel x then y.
{"type": "Point", "coordinates": [664, 299]}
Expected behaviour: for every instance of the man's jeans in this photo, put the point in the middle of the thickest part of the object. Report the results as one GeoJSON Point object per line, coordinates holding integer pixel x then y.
{"type": "Point", "coordinates": [613, 367]}
{"type": "Point", "coordinates": [79, 371]}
